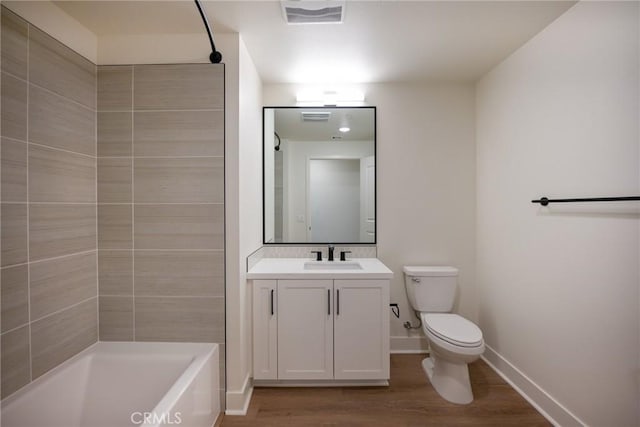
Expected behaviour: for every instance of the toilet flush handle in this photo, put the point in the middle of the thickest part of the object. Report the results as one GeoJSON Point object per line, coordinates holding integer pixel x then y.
{"type": "Point", "coordinates": [415, 279]}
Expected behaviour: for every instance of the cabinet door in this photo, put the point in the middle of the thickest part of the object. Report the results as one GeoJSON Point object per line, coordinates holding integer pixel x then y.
{"type": "Point", "coordinates": [265, 330]}
{"type": "Point", "coordinates": [361, 329]}
{"type": "Point", "coordinates": [305, 329]}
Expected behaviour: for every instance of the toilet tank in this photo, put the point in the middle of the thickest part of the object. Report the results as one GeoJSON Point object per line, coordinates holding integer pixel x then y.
{"type": "Point", "coordinates": [431, 289]}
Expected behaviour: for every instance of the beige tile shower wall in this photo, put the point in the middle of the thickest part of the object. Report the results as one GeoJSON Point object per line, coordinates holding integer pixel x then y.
{"type": "Point", "coordinates": [48, 243]}
{"type": "Point", "coordinates": [161, 203]}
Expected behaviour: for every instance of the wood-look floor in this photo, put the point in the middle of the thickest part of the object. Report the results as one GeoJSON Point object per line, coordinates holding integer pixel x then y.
{"type": "Point", "coordinates": [408, 401]}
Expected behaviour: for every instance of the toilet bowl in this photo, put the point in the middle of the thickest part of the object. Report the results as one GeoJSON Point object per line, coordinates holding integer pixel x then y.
{"type": "Point", "coordinates": [453, 340]}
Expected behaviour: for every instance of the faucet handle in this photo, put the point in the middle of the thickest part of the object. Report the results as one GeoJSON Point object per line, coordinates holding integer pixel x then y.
{"type": "Point", "coordinates": [343, 255]}
{"type": "Point", "coordinates": [318, 255]}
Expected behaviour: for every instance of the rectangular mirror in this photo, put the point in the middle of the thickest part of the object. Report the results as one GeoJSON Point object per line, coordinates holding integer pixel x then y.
{"type": "Point", "coordinates": [319, 182]}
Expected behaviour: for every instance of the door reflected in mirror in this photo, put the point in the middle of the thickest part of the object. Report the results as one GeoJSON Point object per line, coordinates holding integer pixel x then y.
{"type": "Point", "coordinates": [319, 181]}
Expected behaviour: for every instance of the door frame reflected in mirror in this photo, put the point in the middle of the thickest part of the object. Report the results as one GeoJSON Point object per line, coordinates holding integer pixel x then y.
{"type": "Point", "coordinates": [282, 141]}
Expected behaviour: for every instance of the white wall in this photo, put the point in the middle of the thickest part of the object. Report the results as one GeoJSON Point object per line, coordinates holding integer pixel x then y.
{"type": "Point", "coordinates": [123, 48]}
{"type": "Point", "coordinates": [161, 48]}
{"type": "Point", "coordinates": [244, 227]}
{"type": "Point", "coordinates": [426, 184]}
{"type": "Point", "coordinates": [558, 286]}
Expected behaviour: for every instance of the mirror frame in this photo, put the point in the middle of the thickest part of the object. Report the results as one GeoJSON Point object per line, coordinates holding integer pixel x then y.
{"type": "Point", "coordinates": [375, 177]}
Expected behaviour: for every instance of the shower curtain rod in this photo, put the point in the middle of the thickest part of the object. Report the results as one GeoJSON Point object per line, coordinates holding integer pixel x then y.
{"type": "Point", "coordinates": [215, 56]}
{"type": "Point", "coordinates": [544, 201]}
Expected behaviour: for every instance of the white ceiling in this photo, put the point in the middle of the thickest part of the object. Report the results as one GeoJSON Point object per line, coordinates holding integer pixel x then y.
{"type": "Point", "coordinates": [360, 121]}
{"type": "Point", "coordinates": [380, 41]}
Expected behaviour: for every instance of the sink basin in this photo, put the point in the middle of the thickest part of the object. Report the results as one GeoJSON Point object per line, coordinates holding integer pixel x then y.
{"type": "Point", "coordinates": [332, 265]}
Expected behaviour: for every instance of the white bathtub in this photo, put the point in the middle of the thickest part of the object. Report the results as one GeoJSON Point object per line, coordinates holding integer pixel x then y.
{"type": "Point", "coordinates": [123, 384]}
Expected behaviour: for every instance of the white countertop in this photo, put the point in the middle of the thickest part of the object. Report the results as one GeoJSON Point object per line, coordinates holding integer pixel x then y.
{"type": "Point", "coordinates": [293, 268]}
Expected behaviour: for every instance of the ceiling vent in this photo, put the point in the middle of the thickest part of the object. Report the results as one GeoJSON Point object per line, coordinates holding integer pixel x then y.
{"type": "Point", "coordinates": [313, 11]}
{"type": "Point", "coordinates": [315, 116]}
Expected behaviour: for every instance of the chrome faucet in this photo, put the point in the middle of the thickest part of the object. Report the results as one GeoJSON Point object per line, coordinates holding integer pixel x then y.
{"type": "Point", "coordinates": [330, 255]}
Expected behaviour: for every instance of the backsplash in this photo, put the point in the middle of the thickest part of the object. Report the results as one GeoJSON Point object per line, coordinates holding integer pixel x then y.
{"type": "Point", "coordinates": [48, 202]}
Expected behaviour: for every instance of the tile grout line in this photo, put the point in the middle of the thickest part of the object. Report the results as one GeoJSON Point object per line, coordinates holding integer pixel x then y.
{"type": "Point", "coordinates": [29, 210]}
{"type": "Point", "coordinates": [15, 140]}
{"type": "Point", "coordinates": [153, 203]}
{"type": "Point", "coordinates": [29, 82]}
{"type": "Point", "coordinates": [95, 134]}
{"type": "Point", "coordinates": [64, 309]}
{"type": "Point", "coordinates": [50, 147]}
{"type": "Point", "coordinates": [133, 207]}
{"type": "Point", "coordinates": [9, 202]}
{"type": "Point", "coordinates": [161, 157]}
{"type": "Point", "coordinates": [191, 110]}
{"type": "Point", "coordinates": [22, 325]}
{"type": "Point", "coordinates": [1, 145]}
{"type": "Point", "coordinates": [154, 250]}
{"type": "Point", "coordinates": [10, 74]}
{"type": "Point", "coordinates": [164, 296]}
{"type": "Point", "coordinates": [55, 203]}
{"type": "Point", "coordinates": [143, 250]}
{"type": "Point", "coordinates": [37, 261]}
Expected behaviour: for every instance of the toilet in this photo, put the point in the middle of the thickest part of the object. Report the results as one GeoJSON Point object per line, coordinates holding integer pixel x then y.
{"type": "Point", "coordinates": [453, 340]}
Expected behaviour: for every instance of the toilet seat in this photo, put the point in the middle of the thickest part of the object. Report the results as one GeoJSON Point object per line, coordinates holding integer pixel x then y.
{"type": "Point", "coordinates": [452, 328]}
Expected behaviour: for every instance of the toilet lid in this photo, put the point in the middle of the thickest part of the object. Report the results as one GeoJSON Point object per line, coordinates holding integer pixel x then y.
{"type": "Point", "coordinates": [453, 328]}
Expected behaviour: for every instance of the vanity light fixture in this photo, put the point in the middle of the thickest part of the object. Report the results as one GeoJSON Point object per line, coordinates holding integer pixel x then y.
{"type": "Point", "coordinates": [344, 129]}
{"type": "Point", "coordinates": [320, 97]}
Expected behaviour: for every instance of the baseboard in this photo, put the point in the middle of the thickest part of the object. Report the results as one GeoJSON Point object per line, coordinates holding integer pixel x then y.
{"type": "Point", "coordinates": [321, 383]}
{"type": "Point", "coordinates": [550, 408]}
{"type": "Point", "coordinates": [416, 344]}
{"type": "Point", "coordinates": [238, 401]}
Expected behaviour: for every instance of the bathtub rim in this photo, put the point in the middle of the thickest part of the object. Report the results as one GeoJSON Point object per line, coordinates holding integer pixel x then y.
{"type": "Point", "coordinates": [182, 383]}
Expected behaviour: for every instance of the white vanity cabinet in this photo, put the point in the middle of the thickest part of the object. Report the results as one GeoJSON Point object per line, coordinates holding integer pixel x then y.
{"type": "Point", "coordinates": [265, 330]}
{"type": "Point", "coordinates": [321, 330]}
{"type": "Point", "coordinates": [305, 329]}
{"type": "Point", "coordinates": [361, 329]}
